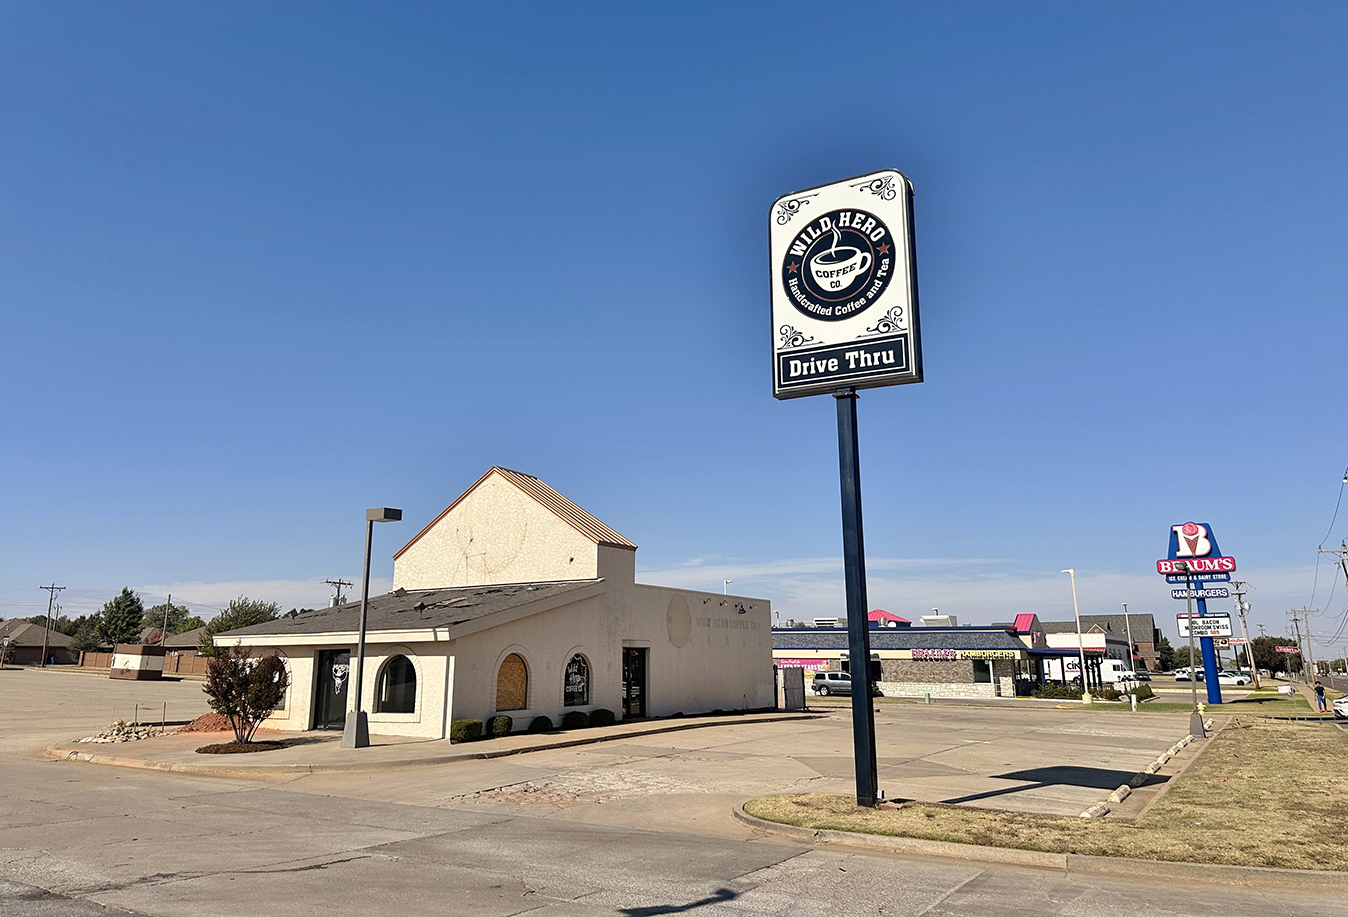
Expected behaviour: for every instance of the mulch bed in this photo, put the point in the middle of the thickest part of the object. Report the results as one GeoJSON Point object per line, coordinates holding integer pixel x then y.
{"type": "Point", "coordinates": [239, 748]}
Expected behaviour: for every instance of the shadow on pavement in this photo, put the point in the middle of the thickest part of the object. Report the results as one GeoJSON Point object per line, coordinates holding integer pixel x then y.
{"type": "Point", "coordinates": [716, 897]}
{"type": "Point", "coordinates": [1096, 778]}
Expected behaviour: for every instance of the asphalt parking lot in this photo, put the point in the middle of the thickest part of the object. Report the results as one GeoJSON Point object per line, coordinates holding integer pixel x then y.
{"type": "Point", "coordinates": [638, 827]}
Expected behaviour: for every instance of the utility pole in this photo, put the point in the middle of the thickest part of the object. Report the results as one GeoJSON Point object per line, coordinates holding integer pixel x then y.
{"type": "Point", "coordinates": [46, 633]}
{"type": "Point", "coordinates": [163, 631]}
{"type": "Point", "coordinates": [1261, 630]}
{"type": "Point", "coordinates": [1129, 625]}
{"type": "Point", "coordinates": [1243, 606]}
{"type": "Point", "coordinates": [337, 597]}
{"type": "Point", "coordinates": [1296, 626]}
{"type": "Point", "coordinates": [1310, 651]}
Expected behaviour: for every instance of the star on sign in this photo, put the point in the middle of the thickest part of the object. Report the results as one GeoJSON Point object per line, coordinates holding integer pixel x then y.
{"type": "Point", "coordinates": [883, 249]}
{"type": "Point", "coordinates": [791, 268]}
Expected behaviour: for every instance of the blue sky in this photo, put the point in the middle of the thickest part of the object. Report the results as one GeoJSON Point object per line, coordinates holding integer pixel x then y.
{"type": "Point", "coordinates": [262, 267]}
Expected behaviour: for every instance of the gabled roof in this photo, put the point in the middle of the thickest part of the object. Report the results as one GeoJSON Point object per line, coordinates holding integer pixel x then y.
{"type": "Point", "coordinates": [439, 608]}
{"type": "Point", "coordinates": [26, 633]}
{"type": "Point", "coordinates": [1024, 623]}
{"type": "Point", "coordinates": [879, 614]}
{"type": "Point", "coordinates": [560, 506]}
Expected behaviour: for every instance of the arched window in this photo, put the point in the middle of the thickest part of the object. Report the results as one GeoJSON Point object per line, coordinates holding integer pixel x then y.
{"type": "Point", "coordinates": [577, 688]}
{"type": "Point", "coordinates": [397, 688]}
{"type": "Point", "coordinates": [512, 684]}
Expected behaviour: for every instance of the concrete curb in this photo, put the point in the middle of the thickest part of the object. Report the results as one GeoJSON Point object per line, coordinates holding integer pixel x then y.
{"type": "Point", "coordinates": [1069, 863]}
{"type": "Point", "coordinates": [265, 771]}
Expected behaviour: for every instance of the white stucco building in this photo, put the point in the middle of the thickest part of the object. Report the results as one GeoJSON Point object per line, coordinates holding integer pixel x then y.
{"type": "Point", "coordinates": [516, 601]}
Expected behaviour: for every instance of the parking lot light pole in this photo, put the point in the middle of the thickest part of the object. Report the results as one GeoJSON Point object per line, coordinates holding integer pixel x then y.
{"type": "Point", "coordinates": [1132, 666]}
{"type": "Point", "coordinates": [356, 732]}
{"type": "Point", "coordinates": [1081, 646]}
{"type": "Point", "coordinates": [1195, 718]}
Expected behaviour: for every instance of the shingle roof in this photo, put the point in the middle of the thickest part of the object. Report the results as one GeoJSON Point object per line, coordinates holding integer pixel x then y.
{"type": "Point", "coordinates": [26, 633]}
{"type": "Point", "coordinates": [899, 638]}
{"type": "Point", "coordinates": [569, 512]}
{"type": "Point", "coordinates": [391, 611]}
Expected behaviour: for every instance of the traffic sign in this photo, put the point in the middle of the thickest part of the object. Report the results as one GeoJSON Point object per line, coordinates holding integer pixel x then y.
{"type": "Point", "coordinates": [1216, 592]}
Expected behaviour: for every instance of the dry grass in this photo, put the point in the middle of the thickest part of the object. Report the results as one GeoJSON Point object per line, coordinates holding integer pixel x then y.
{"type": "Point", "coordinates": [1263, 794]}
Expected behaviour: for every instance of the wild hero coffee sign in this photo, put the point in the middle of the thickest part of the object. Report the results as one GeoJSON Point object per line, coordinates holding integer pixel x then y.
{"type": "Point", "coordinates": [844, 287]}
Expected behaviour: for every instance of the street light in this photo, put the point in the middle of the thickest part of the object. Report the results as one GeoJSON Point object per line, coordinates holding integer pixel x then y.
{"type": "Point", "coordinates": [1081, 646]}
{"type": "Point", "coordinates": [356, 732]}
{"type": "Point", "coordinates": [1129, 624]}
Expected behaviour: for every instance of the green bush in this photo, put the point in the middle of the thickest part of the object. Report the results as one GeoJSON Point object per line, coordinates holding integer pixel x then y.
{"type": "Point", "coordinates": [576, 719]}
{"type": "Point", "coordinates": [1054, 691]}
{"type": "Point", "coordinates": [1142, 692]}
{"type": "Point", "coordinates": [1105, 693]}
{"type": "Point", "coordinates": [499, 726]}
{"type": "Point", "coordinates": [465, 731]}
{"type": "Point", "coordinates": [540, 724]}
{"type": "Point", "coordinates": [602, 717]}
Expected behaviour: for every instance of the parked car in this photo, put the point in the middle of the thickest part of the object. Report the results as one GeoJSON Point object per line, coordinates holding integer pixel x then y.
{"type": "Point", "coordinates": [1183, 674]}
{"type": "Point", "coordinates": [826, 683]}
{"type": "Point", "coordinates": [1340, 707]}
{"type": "Point", "coordinates": [1232, 678]}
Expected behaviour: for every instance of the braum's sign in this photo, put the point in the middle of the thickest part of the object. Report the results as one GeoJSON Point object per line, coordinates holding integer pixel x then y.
{"type": "Point", "coordinates": [844, 287]}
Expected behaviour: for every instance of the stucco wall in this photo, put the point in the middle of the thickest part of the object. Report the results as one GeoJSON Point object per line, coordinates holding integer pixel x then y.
{"type": "Point", "coordinates": [431, 662]}
{"type": "Point", "coordinates": [497, 534]}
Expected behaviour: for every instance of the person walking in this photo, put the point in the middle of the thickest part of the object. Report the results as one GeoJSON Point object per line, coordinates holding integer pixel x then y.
{"type": "Point", "coordinates": [1320, 696]}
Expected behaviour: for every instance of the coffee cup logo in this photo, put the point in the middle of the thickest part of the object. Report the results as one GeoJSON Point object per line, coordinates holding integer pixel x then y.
{"type": "Point", "coordinates": [838, 265]}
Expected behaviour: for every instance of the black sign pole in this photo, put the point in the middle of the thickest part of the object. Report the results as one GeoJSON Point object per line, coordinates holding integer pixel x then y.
{"type": "Point", "coordinates": [858, 624]}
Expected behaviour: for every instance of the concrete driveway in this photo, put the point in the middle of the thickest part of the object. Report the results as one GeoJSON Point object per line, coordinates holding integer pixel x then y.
{"type": "Point", "coordinates": [636, 828]}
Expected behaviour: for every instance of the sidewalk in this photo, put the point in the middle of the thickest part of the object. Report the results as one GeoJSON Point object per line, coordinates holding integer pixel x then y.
{"type": "Point", "coordinates": [321, 752]}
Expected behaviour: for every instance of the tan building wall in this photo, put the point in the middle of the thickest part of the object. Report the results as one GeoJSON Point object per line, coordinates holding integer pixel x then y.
{"type": "Point", "coordinates": [496, 534]}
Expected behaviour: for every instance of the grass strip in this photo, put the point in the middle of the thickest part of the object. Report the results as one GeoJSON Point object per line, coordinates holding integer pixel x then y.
{"type": "Point", "coordinates": [1265, 793]}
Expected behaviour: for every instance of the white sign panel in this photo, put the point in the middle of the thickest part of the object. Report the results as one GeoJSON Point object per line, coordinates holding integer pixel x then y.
{"type": "Point", "coordinates": [1208, 626]}
{"type": "Point", "coordinates": [844, 287]}
{"type": "Point", "coordinates": [1213, 592]}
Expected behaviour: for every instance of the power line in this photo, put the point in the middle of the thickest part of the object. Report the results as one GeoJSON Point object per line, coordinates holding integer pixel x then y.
{"type": "Point", "coordinates": [338, 597]}
{"type": "Point", "coordinates": [1315, 583]}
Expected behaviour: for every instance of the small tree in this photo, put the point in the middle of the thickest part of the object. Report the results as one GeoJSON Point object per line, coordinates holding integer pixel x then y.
{"type": "Point", "coordinates": [119, 621]}
{"type": "Point", "coordinates": [85, 638]}
{"type": "Point", "coordinates": [1165, 655]}
{"type": "Point", "coordinates": [245, 689]}
{"type": "Point", "coordinates": [242, 612]}
{"type": "Point", "coordinates": [177, 614]}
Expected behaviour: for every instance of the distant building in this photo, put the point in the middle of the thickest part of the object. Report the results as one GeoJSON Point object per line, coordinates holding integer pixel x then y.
{"type": "Point", "coordinates": [25, 644]}
{"type": "Point", "coordinates": [1114, 629]}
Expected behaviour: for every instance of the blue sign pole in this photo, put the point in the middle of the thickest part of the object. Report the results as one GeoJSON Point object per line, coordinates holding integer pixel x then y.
{"type": "Point", "coordinates": [1209, 660]}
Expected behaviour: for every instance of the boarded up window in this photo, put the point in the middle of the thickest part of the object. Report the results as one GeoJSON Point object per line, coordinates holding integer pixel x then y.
{"type": "Point", "coordinates": [512, 684]}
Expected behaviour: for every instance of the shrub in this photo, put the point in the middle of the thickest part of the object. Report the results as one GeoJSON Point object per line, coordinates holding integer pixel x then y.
{"type": "Point", "coordinates": [499, 726]}
{"type": "Point", "coordinates": [465, 731]}
{"type": "Point", "coordinates": [540, 724]}
{"type": "Point", "coordinates": [602, 717]}
{"type": "Point", "coordinates": [1054, 691]}
{"type": "Point", "coordinates": [1142, 692]}
{"type": "Point", "coordinates": [245, 689]}
{"type": "Point", "coordinates": [1106, 693]}
{"type": "Point", "coordinates": [576, 719]}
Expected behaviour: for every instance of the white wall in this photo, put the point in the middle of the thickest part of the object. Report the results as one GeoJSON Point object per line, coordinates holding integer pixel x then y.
{"type": "Point", "coordinates": [496, 534]}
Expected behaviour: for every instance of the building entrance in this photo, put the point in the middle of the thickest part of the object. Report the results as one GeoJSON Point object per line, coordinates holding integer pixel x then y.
{"type": "Point", "coordinates": [634, 681]}
{"type": "Point", "coordinates": [334, 677]}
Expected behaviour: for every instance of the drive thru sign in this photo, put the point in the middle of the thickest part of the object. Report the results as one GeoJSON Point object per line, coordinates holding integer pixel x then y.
{"type": "Point", "coordinates": [843, 284]}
